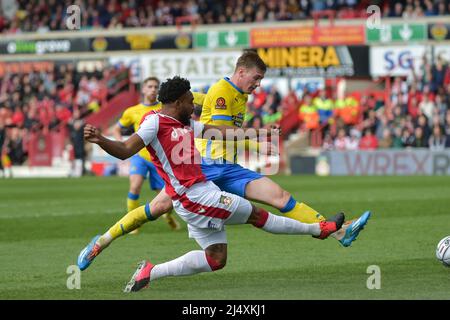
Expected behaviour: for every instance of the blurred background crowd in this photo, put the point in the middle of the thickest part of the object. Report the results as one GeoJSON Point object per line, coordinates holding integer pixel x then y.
{"type": "Point", "coordinates": [415, 115]}
{"type": "Point", "coordinates": [49, 15]}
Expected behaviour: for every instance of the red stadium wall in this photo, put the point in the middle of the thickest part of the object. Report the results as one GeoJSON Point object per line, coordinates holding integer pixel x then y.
{"type": "Point", "coordinates": [106, 116]}
{"type": "Point", "coordinates": [40, 149]}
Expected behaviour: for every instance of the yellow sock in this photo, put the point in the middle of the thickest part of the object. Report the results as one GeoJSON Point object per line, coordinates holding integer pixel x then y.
{"type": "Point", "coordinates": [303, 213]}
{"type": "Point", "coordinates": [171, 220]}
{"type": "Point", "coordinates": [132, 220]}
{"type": "Point", "coordinates": [132, 201]}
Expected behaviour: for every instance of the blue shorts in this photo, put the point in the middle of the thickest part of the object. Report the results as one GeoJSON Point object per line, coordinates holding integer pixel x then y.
{"type": "Point", "coordinates": [140, 166]}
{"type": "Point", "coordinates": [229, 177]}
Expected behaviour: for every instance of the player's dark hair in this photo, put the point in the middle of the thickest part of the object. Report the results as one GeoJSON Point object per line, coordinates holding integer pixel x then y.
{"type": "Point", "coordinates": [250, 59]}
{"type": "Point", "coordinates": [173, 89]}
{"type": "Point", "coordinates": [151, 79]}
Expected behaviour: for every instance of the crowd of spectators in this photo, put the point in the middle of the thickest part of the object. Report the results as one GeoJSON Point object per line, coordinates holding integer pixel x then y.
{"type": "Point", "coordinates": [417, 115]}
{"type": "Point", "coordinates": [264, 108]}
{"type": "Point", "coordinates": [43, 101]}
{"type": "Point", "coordinates": [50, 15]}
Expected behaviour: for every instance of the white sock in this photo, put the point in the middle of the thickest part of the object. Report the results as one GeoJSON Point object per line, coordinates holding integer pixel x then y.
{"type": "Point", "coordinates": [105, 240]}
{"type": "Point", "coordinates": [191, 263]}
{"type": "Point", "coordinates": [283, 225]}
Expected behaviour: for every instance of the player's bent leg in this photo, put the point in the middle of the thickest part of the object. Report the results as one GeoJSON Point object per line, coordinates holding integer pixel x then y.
{"type": "Point", "coordinates": [134, 192]}
{"type": "Point", "coordinates": [269, 222]}
{"type": "Point", "coordinates": [137, 174]}
{"type": "Point", "coordinates": [137, 217]}
{"type": "Point", "coordinates": [216, 255]}
{"type": "Point", "coordinates": [193, 262]}
{"type": "Point", "coordinates": [136, 181]}
{"type": "Point", "coordinates": [267, 191]}
{"type": "Point", "coordinates": [157, 183]}
{"type": "Point", "coordinates": [169, 217]}
{"type": "Point", "coordinates": [131, 221]}
{"type": "Point", "coordinates": [245, 212]}
{"type": "Point", "coordinates": [253, 186]}
{"type": "Point", "coordinates": [162, 206]}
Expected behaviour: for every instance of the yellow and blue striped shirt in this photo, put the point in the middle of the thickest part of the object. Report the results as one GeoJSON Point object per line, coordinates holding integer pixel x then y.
{"type": "Point", "coordinates": [132, 117]}
{"type": "Point", "coordinates": [224, 104]}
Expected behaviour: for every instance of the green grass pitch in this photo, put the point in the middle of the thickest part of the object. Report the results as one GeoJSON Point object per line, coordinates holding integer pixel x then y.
{"type": "Point", "coordinates": [44, 223]}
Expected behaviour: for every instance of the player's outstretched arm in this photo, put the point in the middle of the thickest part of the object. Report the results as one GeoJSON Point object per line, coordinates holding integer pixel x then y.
{"type": "Point", "coordinates": [118, 149]}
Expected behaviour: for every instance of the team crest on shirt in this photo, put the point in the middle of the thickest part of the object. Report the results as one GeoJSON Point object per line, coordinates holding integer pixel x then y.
{"type": "Point", "coordinates": [220, 103]}
{"type": "Point", "coordinates": [226, 200]}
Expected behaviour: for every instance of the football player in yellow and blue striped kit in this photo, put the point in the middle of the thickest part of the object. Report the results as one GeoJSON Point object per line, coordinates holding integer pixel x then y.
{"type": "Point", "coordinates": [225, 104]}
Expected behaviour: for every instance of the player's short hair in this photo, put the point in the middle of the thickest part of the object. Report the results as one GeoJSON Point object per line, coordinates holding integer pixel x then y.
{"type": "Point", "coordinates": [172, 89]}
{"type": "Point", "coordinates": [151, 79]}
{"type": "Point", "coordinates": [250, 59]}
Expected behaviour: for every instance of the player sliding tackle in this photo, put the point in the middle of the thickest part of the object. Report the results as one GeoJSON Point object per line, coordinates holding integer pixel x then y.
{"type": "Point", "coordinates": [225, 104]}
{"type": "Point", "coordinates": [199, 202]}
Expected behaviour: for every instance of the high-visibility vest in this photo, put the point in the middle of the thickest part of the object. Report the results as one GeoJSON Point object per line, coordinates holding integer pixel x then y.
{"type": "Point", "coordinates": [310, 116]}
{"type": "Point", "coordinates": [271, 118]}
{"type": "Point", "coordinates": [324, 108]}
{"type": "Point", "coordinates": [350, 112]}
{"type": "Point", "coordinates": [321, 104]}
{"type": "Point", "coordinates": [339, 104]}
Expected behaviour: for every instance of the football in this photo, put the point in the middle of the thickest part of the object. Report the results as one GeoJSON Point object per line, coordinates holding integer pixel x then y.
{"type": "Point", "coordinates": [443, 251]}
